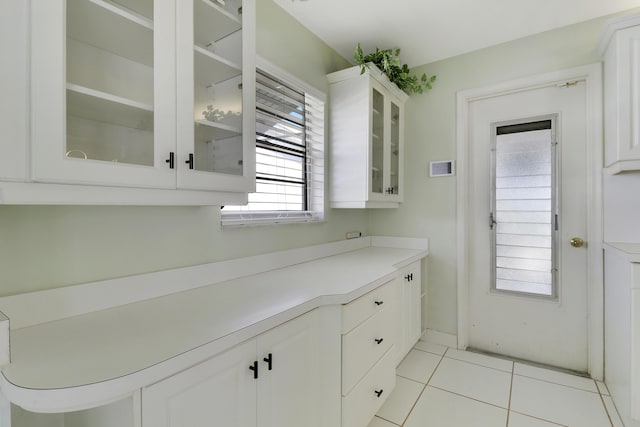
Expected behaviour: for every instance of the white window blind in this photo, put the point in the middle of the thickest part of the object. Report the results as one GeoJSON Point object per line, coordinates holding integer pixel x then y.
{"type": "Point", "coordinates": [289, 157]}
{"type": "Point", "coordinates": [524, 208]}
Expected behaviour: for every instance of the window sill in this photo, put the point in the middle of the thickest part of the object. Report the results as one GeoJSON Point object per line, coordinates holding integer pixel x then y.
{"type": "Point", "coordinates": [255, 219]}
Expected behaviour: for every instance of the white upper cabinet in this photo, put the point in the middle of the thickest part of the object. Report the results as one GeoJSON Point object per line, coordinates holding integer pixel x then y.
{"type": "Point", "coordinates": [620, 49]}
{"type": "Point", "coordinates": [128, 93]}
{"type": "Point", "coordinates": [103, 92]}
{"type": "Point", "coordinates": [367, 139]}
{"type": "Point", "coordinates": [216, 94]}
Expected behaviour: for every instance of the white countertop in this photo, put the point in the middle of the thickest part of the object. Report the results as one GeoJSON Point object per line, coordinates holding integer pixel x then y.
{"type": "Point", "coordinates": [101, 356]}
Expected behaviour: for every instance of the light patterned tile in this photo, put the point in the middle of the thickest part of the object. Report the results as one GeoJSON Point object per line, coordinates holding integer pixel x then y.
{"type": "Point", "coordinates": [477, 382]}
{"type": "Point", "coordinates": [613, 412]}
{"type": "Point", "coordinates": [555, 377]}
{"type": "Point", "coordinates": [418, 366]}
{"type": "Point", "coordinates": [520, 420]}
{"type": "Point", "coordinates": [480, 359]}
{"type": "Point", "coordinates": [557, 403]}
{"type": "Point", "coordinates": [401, 400]}
{"type": "Point", "coordinates": [602, 387]}
{"type": "Point", "coordinates": [379, 422]}
{"type": "Point", "coordinates": [430, 347]}
{"type": "Point", "coordinates": [443, 409]}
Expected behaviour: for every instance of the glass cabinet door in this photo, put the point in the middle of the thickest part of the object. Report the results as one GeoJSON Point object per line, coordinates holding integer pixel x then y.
{"type": "Point", "coordinates": [377, 142]}
{"type": "Point", "coordinates": [99, 61]}
{"type": "Point", "coordinates": [110, 81]}
{"type": "Point", "coordinates": [217, 64]}
{"type": "Point", "coordinates": [394, 154]}
{"type": "Point", "coordinates": [212, 51]}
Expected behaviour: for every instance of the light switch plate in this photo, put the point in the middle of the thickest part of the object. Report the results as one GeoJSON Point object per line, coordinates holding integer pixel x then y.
{"type": "Point", "coordinates": [442, 168]}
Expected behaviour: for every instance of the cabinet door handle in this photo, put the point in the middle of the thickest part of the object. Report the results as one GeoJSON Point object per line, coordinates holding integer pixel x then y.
{"type": "Point", "coordinates": [254, 368]}
{"type": "Point", "coordinates": [409, 277]}
{"type": "Point", "coordinates": [379, 392]}
{"type": "Point", "coordinates": [378, 340]}
{"type": "Point", "coordinates": [379, 302]}
{"type": "Point", "coordinates": [190, 161]}
{"type": "Point", "coordinates": [171, 160]}
{"type": "Point", "coordinates": [269, 361]}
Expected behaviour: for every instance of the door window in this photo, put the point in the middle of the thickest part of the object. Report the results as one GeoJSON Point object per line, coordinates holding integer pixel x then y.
{"type": "Point", "coordinates": [523, 217]}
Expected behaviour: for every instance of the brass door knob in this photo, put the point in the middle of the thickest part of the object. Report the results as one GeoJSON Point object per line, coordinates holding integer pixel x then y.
{"type": "Point", "coordinates": [576, 242]}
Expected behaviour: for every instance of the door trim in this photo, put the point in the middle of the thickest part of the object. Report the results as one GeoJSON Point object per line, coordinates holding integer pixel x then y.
{"type": "Point", "coordinates": [592, 75]}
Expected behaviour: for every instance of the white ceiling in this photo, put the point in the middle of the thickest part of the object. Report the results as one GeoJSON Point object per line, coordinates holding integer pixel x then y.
{"type": "Point", "coordinates": [430, 30]}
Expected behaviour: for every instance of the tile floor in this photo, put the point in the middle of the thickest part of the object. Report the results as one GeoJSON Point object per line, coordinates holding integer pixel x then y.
{"type": "Point", "coordinates": [444, 387]}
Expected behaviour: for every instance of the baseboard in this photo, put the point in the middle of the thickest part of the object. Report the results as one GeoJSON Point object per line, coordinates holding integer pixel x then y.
{"type": "Point", "coordinates": [440, 338]}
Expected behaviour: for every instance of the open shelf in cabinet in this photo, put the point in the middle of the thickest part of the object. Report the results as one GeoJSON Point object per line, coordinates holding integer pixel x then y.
{"type": "Point", "coordinates": [109, 27]}
{"type": "Point", "coordinates": [212, 22]}
{"type": "Point", "coordinates": [103, 107]}
{"type": "Point", "coordinates": [211, 68]}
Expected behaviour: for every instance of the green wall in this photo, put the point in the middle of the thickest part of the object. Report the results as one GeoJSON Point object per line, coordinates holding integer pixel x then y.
{"type": "Point", "coordinates": [430, 203]}
{"type": "Point", "coordinates": [44, 247]}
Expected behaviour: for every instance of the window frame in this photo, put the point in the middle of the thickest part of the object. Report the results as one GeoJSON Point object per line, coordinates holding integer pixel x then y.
{"type": "Point", "coordinates": [315, 203]}
{"type": "Point", "coordinates": [555, 208]}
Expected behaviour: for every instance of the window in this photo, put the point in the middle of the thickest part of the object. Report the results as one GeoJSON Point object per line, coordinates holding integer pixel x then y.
{"type": "Point", "coordinates": [289, 153]}
{"type": "Point", "coordinates": [524, 208]}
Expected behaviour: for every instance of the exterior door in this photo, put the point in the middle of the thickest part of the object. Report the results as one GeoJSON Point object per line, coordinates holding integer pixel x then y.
{"type": "Point", "coordinates": [527, 183]}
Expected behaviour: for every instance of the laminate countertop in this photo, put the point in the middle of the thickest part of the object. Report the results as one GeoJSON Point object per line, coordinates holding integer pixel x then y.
{"type": "Point", "coordinates": [101, 356]}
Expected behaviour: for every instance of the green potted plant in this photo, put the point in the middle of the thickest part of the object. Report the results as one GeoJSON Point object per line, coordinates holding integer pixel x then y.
{"type": "Point", "coordinates": [388, 61]}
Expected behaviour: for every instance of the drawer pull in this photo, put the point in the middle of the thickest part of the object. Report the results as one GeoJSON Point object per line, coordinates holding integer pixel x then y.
{"type": "Point", "coordinates": [254, 368]}
{"type": "Point", "coordinates": [269, 361]}
{"type": "Point", "coordinates": [379, 302]}
{"type": "Point", "coordinates": [409, 277]}
{"type": "Point", "coordinates": [378, 340]}
{"type": "Point", "coordinates": [379, 392]}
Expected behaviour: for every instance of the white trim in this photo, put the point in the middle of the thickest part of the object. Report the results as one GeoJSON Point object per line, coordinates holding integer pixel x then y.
{"type": "Point", "coordinates": [315, 184]}
{"type": "Point", "coordinates": [296, 83]}
{"type": "Point", "coordinates": [440, 338]}
{"type": "Point", "coordinates": [592, 74]}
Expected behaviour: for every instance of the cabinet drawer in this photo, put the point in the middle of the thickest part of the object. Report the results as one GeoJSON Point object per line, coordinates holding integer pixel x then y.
{"type": "Point", "coordinates": [359, 406]}
{"type": "Point", "coordinates": [369, 304]}
{"type": "Point", "coordinates": [365, 345]}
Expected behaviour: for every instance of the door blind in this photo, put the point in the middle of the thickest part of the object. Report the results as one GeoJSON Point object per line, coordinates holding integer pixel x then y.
{"type": "Point", "coordinates": [523, 210]}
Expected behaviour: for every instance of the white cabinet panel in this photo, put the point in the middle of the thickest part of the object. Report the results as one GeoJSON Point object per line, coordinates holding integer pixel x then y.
{"type": "Point", "coordinates": [367, 137]}
{"type": "Point", "coordinates": [277, 379]}
{"type": "Point", "coordinates": [221, 389]}
{"type": "Point", "coordinates": [411, 307]}
{"type": "Point", "coordinates": [360, 406]}
{"type": "Point", "coordinates": [289, 393]}
{"type": "Point", "coordinates": [371, 333]}
{"type": "Point", "coordinates": [622, 328]}
{"type": "Point", "coordinates": [620, 48]}
{"type": "Point", "coordinates": [13, 86]}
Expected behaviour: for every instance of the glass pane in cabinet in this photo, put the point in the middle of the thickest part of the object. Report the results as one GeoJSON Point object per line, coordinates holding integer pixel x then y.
{"type": "Point", "coordinates": [395, 149]}
{"type": "Point", "coordinates": [110, 81]}
{"type": "Point", "coordinates": [217, 65]}
{"type": "Point", "coordinates": [377, 142]}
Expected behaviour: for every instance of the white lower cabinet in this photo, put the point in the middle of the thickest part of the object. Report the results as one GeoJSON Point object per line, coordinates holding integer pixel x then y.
{"type": "Point", "coordinates": [411, 308]}
{"type": "Point", "coordinates": [370, 331]}
{"type": "Point", "coordinates": [282, 378]}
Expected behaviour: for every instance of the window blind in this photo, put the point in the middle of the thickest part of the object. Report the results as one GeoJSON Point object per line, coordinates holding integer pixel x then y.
{"type": "Point", "coordinates": [524, 208]}
{"type": "Point", "coordinates": [289, 157]}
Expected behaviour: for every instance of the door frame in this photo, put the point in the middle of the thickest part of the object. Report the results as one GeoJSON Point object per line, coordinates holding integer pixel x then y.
{"type": "Point", "coordinates": [592, 75]}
